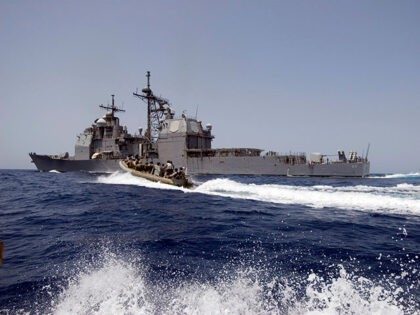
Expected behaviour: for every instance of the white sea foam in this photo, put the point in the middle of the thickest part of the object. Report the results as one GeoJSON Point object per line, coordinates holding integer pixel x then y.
{"type": "Point", "coordinates": [399, 199]}
{"type": "Point", "coordinates": [113, 289]}
{"type": "Point", "coordinates": [367, 198]}
{"type": "Point", "coordinates": [399, 188]}
{"type": "Point", "coordinates": [350, 295]}
{"type": "Point", "coordinates": [54, 171]}
{"type": "Point", "coordinates": [408, 175]}
{"type": "Point", "coordinates": [119, 287]}
{"type": "Point", "coordinates": [119, 178]}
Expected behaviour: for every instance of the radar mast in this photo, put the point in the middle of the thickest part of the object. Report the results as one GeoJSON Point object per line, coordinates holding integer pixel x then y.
{"type": "Point", "coordinates": [157, 107]}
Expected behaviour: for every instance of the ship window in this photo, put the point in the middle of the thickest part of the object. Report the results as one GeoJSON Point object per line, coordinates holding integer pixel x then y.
{"type": "Point", "coordinates": [209, 153]}
{"type": "Point", "coordinates": [193, 142]}
{"type": "Point", "coordinates": [108, 132]}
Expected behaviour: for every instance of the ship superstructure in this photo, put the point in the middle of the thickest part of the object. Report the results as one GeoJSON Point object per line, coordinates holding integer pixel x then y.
{"type": "Point", "coordinates": [98, 148]}
{"type": "Point", "coordinates": [186, 143]}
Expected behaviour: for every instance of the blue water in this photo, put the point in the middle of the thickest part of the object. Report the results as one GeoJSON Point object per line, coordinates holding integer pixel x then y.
{"type": "Point", "coordinates": [85, 243]}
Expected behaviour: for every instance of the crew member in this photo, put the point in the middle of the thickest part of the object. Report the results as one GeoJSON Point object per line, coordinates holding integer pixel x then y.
{"type": "Point", "coordinates": [139, 166]}
{"type": "Point", "coordinates": [156, 169]}
{"type": "Point", "coordinates": [174, 174]}
{"type": "Point", "coordinates": [181, 173]}
{"type": "Point", "coordinates": [169, 168]}
{"type": "Point", "coordinates": [131, 163]}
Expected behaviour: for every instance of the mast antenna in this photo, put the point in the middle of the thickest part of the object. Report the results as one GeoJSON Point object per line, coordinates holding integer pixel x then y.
{"type": "Point", "coordinates": [367, 152]}
{"type": "Point", "coordinates": [112, 108]}
{"type": "Point", "coordinates": [157, 108]}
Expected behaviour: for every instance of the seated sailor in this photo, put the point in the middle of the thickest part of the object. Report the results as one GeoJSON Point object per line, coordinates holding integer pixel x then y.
{"type": "Point", "coordinates": [156, 169]}
{"type": "Point", "coordinates": [130, 164]}
{"type": "Point", "coordinates": [139, 166]}
{"type": "Point", "coordinates": [178, 174]}
{"type": "Point", "coordinates": [173, 174]}
{"type": "Point", "coordinates": [162, 170]}
{"type": "Point", "coordinates": [169, 168]}
{"type": "Point", "coordinates": [181, 173]}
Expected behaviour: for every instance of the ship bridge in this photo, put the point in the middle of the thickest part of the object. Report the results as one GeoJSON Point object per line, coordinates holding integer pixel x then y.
{"type": "Point", "coordinates": [106, 139]}
{"type": "Point", "coordinates": [191, 129]}
{"type": "Point", "coordinates": [177, 136]}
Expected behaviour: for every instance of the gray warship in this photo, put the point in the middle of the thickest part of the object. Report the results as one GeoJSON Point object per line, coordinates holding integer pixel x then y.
{"type": "Point", "coordinates": [185, 142]}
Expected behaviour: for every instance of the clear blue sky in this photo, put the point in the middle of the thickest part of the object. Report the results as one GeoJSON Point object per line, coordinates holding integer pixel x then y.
{"type": "Point", "coordinates": [310, 76]}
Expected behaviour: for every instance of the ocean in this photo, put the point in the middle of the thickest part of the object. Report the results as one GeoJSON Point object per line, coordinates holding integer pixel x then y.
{"type": "Point", "coordinates": [82, 243]}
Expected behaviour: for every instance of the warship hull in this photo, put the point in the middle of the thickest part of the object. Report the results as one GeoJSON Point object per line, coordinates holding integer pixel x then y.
{"type": "Point", "coordinates": [272, 166]}
{"type": "Point", "coordinates": [215, 166]}
{"type": "Point", "coordinates": [46, 163]}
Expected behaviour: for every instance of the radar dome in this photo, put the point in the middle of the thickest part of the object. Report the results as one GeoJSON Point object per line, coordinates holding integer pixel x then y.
{"type": "Point", "coordinates": [101, 122]}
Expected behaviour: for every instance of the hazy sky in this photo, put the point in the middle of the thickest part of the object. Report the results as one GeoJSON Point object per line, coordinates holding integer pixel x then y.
{"type": "Point", "coordinates": [301, 76]}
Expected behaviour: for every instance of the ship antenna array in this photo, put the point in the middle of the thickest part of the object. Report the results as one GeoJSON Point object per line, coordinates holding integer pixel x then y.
{"type": "Point", "coordinates": [112, 108]}
{"type": "Point", "coordinates": [157, 107]}
{"type": "Point", "coordinates": [367, 151]}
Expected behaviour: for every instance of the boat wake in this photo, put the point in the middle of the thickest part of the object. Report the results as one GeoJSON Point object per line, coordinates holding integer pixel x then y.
{"type": "Point", "coordinates": [399, 199]}
{"type": "Point", "coordinates": [125, 178]}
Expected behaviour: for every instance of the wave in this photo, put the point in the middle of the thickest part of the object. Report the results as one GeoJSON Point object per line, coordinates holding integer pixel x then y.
{"type": "Point", "coordinates": [119, 287]}
{"type": "Point", "coordinates": [54, 171]}
{"type": "Point", "coordinates": [400, 199]}
{"type": "Point", "coordinates": [408, 175]}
